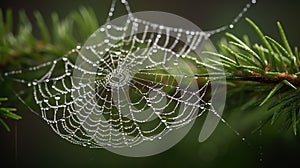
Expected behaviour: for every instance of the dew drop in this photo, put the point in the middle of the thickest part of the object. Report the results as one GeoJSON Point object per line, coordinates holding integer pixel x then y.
{"type": "Point", "coordinates": [34, 82]}
{"type": "Point", "coordinates": [253, 1]}
{"type": "Point", "coordinates": [102, 29]}
{"type": "Point", "coordinates": [108, 27]}
{"type": "Point", "coordinates": [159, 138]}
{"type": "Point", "coordinates": [243, 139]}
{"type": "Point", "coordinates": [68, 73]}
{"type": "Point", "coordinates": [46, 100]}
{"type": "Point", "coordinates": [65, 59]}
{"type": "Point", "coordinates": [57, 97]}
{"type": "Point", "coordinates": [175, 62]}
{"type": "Point", "coordinates": [231, 26]}
{"type": "Point", "coordinates": [118, 53]}
{"type": "Point", "coordinates": [29, 84]}
{"type": "Point", "coordinates": [196, 76]}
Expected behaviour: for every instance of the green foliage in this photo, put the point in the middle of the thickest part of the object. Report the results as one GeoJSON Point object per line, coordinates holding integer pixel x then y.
{"type": "Point", "coordinates": [268, 64]}
{"type": "Point", "coordinates": [20, 46]}
{"type": "Point", "coordinates": [55, 40]}
{"type": "Point", "coordinates": [7, 113]}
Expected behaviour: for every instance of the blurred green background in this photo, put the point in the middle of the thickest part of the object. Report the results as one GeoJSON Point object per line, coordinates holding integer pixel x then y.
{"type": "Point", "coordinates": [31, 143]}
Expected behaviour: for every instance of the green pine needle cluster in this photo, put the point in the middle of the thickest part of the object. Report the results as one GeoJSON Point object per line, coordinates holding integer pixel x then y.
{"type": "Point", "coordinates": [271, 63]}
{"type": "Point", "coordinates": [7, 113]}
{"type": "Point", "coordinates": [19, 42]}
{"type": "Point", "coordinates": [20, 45]}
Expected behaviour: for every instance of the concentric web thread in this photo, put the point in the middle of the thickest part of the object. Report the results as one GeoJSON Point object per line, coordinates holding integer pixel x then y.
{"type": "Point", "coordinates": [133, 81]}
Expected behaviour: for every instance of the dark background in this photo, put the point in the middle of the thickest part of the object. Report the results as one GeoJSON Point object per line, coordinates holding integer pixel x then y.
{"type": "Point", "coordinates": [31, 143]}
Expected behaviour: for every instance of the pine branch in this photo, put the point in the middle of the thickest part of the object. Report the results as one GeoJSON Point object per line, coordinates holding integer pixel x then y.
{"type": "Point", "coordinates": [270, 63]}
{"type": "Point", "coordinates": [7, 113]}
{"type": "Point", "coordinates": [55, 40]}
{"type": "Point", "coordinates": [22, 48]}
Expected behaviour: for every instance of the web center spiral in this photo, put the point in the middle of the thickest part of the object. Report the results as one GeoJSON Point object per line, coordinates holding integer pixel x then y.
{"type": "Point", "coordinates": [118, 77]}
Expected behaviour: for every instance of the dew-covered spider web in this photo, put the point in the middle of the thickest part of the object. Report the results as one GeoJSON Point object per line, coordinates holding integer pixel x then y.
{"type": "Point", "coordinates": [139, 80]}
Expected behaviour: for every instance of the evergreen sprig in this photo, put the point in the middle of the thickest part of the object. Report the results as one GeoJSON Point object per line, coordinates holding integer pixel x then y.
{"type": "Point", "coordinates": [54, 40]}
{"type": "Point", "coordinates": [271, 63]}
{"type": "Point", "coordinates": [20, 46]}
{"type": "Point", "coordinates": [7, 113]}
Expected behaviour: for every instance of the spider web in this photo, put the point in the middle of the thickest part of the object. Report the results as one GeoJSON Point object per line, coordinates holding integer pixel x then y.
{"type": "Point", "coordinates": [133, 81]}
